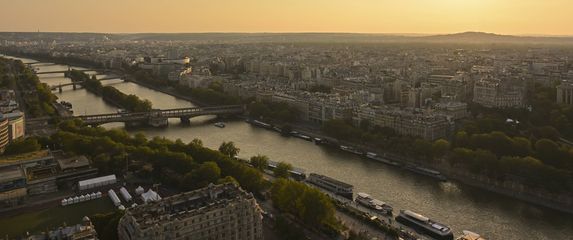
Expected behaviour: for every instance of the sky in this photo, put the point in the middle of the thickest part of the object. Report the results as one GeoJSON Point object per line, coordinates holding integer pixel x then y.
{"type": "Point", "coordinates": [518, 17]}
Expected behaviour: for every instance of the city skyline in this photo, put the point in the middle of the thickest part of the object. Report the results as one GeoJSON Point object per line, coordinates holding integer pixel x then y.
{"type": "Point", "coordinates": [509, 17]}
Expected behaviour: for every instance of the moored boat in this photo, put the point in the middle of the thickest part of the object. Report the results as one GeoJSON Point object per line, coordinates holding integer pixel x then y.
{"type": "Point", "coordinates": [468, 235]}
{"type": "Point", "coordinates": [303, 137]}
{"type": "Point", "coordinates": [427, 172]}
{"type": "Point", "coordinates": [261, 124]}
{"type": "Point", "coordinates": [332, 185]}
{"type": "Point", "coordinates": [375, 156]}
{"type": "Point", "coordinates": [350, 150]}
{"type": "Point", "coordinates": [366, 200]}
{"type": "Point", "coordinates": [425, 225]}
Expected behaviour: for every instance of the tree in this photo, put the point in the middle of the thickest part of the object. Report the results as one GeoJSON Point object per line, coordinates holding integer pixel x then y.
{"type": "Point", "coordinates": [197, 142]}
{"type": "Point", "coordinates": [282, 170]}
{"type": "Point", "coordinates": [548, 151]}
{"type": "Point", "coordinates": [315, 207]}
{"type": "Point", "coordinates": [309, 204]}
{"type": "Point", "coordinates": [229, 149]}
{"type": "Point", "coordinates": [483, 160]}
{"type": "Point", "coordinates": [460, 156]}
{"type": "Point", "coordinates": [422, 148]}
{"type": "Point", "coordinates": [208, 172]}
{"type": "Point", "coordinates": [440, 148]}
{"type": "Point", "coordinates": [521, 146]}
{"type": "Point", "coordinates": [106, 224]}
{"type": "Point", "coordinates": [365, 124]}
{"type": "Point", "coordinates": [22, 146]}
{"type": "Point", "coordinates": [260, 162]}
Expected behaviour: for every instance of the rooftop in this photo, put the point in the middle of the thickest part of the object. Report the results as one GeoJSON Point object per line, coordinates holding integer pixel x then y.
{"type": "Point", "coordinates": [6, 160]}
{"type": "Point", "coordinates": [11, 173]}
{"type": "Point", "coordinates": [73, 162]}
{"type": "Point", "coordinates": [187, 204]}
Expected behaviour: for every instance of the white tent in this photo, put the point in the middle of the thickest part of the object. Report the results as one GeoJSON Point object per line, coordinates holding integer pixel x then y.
{"type": "Point", "coordinates": [139, 190]}
{"type": "Point", "coordinates": [150, 196]}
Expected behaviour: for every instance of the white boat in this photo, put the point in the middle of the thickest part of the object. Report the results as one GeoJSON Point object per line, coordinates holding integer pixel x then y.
{"type": "Point", "coordinates": [468, 235]}
{"type": "Point", "coordinates": [375, 156]}
{"type": "Point", "coordinates": [425, 225]}
{"type": "Point", "coordinates": [304, 137]}
{"type": "Point", "coordinates": [363, 199]}
{"type": "Point", "coordinates": [350, 150]}
{"type": "Point", "coordinates": [331, 184]}
{"type": "Point", "coordinates": [382, 207]}
{"type": "Point", "coordinates": [427, 172]}
{"type": "Point", "coordinates": [366, 200]}
{"type": "Point", "coordinates": [219, 124]}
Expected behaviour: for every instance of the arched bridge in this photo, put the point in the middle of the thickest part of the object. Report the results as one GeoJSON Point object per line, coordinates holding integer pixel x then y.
{"type": "Point", "coordinates": [66, 71]}
{"type": "Point", "coordinates": [159, 117]}
{"type": "Point", "coordinates": [74, 84]}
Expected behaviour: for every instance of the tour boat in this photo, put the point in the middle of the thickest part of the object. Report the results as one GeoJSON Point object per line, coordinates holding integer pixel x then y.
{"type": "Point", "coordinates": [425, 225]}
{"type": "Point", "coordinates": [332, 185]}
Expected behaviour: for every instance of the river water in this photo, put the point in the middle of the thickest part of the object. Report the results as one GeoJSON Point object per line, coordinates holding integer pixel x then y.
{"type": "Point", "coordinates": [461, 207]}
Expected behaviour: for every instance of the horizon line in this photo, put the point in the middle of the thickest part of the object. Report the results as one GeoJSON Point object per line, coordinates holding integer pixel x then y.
{"type": "Point", "coordinates": [405, 34]}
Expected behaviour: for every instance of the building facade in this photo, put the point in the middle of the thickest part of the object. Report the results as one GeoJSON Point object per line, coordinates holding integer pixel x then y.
{"type": "Point", "coordinates": [493, 93]}
{"type": "Point", "coordinates": [424, 125]}
{"type": "Point", "coordinates": [565, 93]}
{"type": "Point", "coordinates": [4, 132]}
{"type": "Point", "coordinates": [215, 212]}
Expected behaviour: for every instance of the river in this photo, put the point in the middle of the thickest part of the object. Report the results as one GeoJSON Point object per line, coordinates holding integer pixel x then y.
{"type": "Point", "coordinates": [461, 207]}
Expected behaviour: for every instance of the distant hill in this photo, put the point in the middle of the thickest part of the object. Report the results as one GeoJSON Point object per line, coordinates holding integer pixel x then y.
{"type": "Point", "coordinates": [465, 37]}
{"type": "Point", "coordinates": [482, 37]}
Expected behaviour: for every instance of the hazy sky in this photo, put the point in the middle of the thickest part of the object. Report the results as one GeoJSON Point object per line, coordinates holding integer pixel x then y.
{"type": "Point", "coordinates": [365, 16]}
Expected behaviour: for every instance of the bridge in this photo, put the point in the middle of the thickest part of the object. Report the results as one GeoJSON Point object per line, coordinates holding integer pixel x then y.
{"type": "Point", "coordinates": [158, 118]}
{"type": "Point", "coordinates": [66, 71]}
{"type": "Point", "coordinates": [43, 63]}
{"type": "Point", "coordinates": [74, 84]}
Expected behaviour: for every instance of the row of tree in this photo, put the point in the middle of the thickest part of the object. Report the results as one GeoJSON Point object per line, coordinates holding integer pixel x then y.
{"type": "Point", "coordinates": [280, 111]}
{"type": "Point", "coordinates": [181, 165]}
{"type": "Point", "coordinates": [494, 154]}
{"type": "Point", "coordinates": [37, 96]}
{"type": "Point", "coordinates": [130, 102]}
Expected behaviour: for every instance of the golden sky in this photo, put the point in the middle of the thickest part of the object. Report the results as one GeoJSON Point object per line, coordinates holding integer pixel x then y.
{"type": "Point", "coordinates": [553, 17]}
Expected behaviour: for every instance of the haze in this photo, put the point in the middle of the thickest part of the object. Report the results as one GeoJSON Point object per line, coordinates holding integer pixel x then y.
{"type": "Point", "coordinates": [548, 17]}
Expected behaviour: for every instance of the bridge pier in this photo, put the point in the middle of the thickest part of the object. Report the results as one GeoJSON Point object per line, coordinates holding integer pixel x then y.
{"type": "Point", "coordinates": [74, 86]}
{"type": "Point", "coordinates": [158, 121]}
{"type": "Point", "coordinates": [185, 120]}
{"type": "Point", "coordinates": [60, 88]}
{"type": "Point", "coordinates": [159, 118]}
{"type": "Point", "coordinates": [133, 124]}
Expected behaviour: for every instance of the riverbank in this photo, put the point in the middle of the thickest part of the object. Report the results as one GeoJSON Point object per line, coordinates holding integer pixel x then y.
{"type": "Point", "coordinates": [169, 91]}
{"type": "Point", "coordinates": [457, 205]}
{"type": "Point", "coordinates": [510, 189]}
{"type": "Point", "coordinates": [453, 174]}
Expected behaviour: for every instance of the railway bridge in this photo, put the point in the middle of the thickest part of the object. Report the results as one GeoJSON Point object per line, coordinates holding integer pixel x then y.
{"type": "Point", "coordinates": [157, 117]}
{"type": "Point", "coordinates": [75, 84]}
{"type": "Point", "coordinates": [65, 72]}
